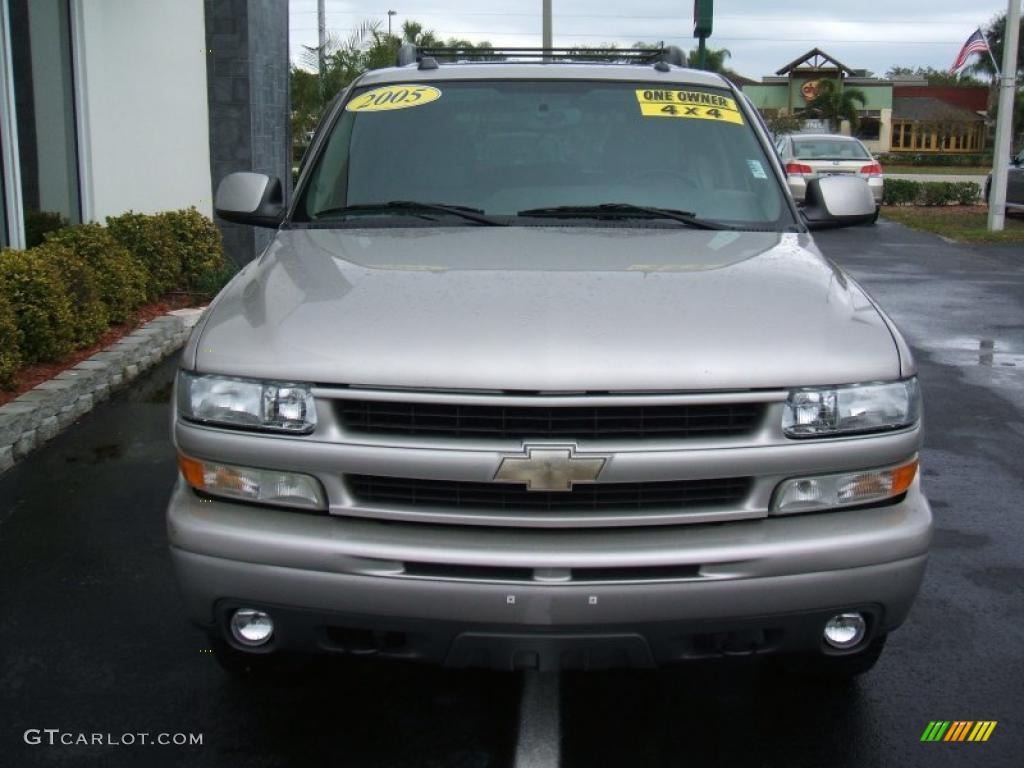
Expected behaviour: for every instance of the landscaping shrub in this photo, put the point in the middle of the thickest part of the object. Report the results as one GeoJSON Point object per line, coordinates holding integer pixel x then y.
{"type": "Point", "coordinates": [935, 160]}
{"type": "Point", "coordinates": [900, 192]}
{"type": "Point", "coordinates": [967, 192]}
{"type": "Point", "coordinates": [211, 281]}
{"type": "Point", "coordinates": [937, 193]}
{"type": "Point", "coordinates": [121, 279]}
{"type": "Point", "coordinates": [38, 223]}
{"type": "Point", "coordinates": [10, 343]}
{"type": "Point", "coordinates": [64, 291]}
{"type": "Point", "coordinates": [33, 286]}
{"type": "Point", "coordinates": [90, 318]}
{"type": "Point", "coordinates": [903, 192]}
{"type": "Point", "coordinates": [152, 242]}
{"type": "Point", "coordinates": [199, 245]}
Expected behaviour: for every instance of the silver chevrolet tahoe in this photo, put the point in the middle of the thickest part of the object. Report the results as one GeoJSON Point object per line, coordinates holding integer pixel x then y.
{"type": "Point", "coordinates": [543, 369]}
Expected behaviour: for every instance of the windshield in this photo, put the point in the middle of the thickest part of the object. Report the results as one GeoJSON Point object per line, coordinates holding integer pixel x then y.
{"type": "Point", "coordinates": [829, 149]}
{"type": "Point", "coordinates": [501, 148]}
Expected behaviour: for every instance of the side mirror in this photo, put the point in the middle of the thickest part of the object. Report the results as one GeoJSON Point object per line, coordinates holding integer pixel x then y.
{"type": "Point", "coordinates": [838, 201]}
{"type": "Point", "coordinates": [250, 198]}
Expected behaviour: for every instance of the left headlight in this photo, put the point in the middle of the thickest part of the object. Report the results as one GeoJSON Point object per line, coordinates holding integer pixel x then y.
{"type": "Point", "coordinates": [247, 403]}
{"type": "Point", "coordinates": [853, 409]}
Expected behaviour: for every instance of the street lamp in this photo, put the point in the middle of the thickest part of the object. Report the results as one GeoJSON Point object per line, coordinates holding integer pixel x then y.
{"type": "Point", "coordinates": [390, 14]}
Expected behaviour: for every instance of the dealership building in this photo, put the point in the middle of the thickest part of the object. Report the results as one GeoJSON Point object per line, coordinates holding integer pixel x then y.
{"type": "Point", "coordinates": [899, 115]}
{"type": "Point", "coordinates": [115, 105]}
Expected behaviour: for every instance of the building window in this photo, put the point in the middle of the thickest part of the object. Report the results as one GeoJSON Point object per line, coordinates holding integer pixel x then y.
{"type": "Point", "coordinates": [869, 128]}
{"type": "Point", "coordinates": [44, 106]}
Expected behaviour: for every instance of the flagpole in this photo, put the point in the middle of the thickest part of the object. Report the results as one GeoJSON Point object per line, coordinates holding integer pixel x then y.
{"type": "Point", "coordinates": [993, 58]}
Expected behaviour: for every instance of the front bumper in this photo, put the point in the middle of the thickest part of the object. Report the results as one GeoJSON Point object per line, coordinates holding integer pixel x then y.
{"type": "Point", "coordinates": [655, 595]}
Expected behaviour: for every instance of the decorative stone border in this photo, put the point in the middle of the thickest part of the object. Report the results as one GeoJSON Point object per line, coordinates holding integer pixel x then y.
{"type": "Point", "coordinates": [37, 416]}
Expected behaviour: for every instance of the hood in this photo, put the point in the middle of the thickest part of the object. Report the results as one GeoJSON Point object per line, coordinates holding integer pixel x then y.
{"type": "Point", "coordinates": [545, 309]}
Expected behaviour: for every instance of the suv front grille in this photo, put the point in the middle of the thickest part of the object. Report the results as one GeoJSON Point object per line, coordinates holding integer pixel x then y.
{"type": "Point", "coordinates": [674, 494]}
{"type": "Point", "coordinates": [570, 423]}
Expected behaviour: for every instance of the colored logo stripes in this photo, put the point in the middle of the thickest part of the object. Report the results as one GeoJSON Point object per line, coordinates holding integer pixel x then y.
{"type": "Point", "coordinates": [958, 730]}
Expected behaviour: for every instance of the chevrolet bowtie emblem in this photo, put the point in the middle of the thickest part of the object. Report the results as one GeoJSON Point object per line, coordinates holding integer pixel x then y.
{"type": "Point", "coordinates": [549, 469]}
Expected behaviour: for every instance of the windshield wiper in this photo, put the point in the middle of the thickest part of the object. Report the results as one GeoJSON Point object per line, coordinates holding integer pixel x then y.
{"type": "Point", "coordinates": [622, 210]}
{"type": "Point", "coordinates": [415, 207]}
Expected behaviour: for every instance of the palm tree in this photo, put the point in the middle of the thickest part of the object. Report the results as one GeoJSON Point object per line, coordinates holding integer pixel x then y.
{"type": "Point", "coordinates": [715, 61]}
{"type": "Point", "coordinates": [836, 103]}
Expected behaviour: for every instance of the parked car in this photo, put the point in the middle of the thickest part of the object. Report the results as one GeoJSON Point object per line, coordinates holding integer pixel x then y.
{"type": "Point", "coordinates": [543, 369]}
{"type": "Point", "coordinates": [808, 156]}
{"type": "Point", "coordinates": [1014, 184]}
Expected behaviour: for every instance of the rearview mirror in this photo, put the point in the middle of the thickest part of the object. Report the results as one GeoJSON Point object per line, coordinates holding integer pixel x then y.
{"type": "Point", "coordinates": [838, 201]}
{"type": "Point", "coordinates": [250, 198]}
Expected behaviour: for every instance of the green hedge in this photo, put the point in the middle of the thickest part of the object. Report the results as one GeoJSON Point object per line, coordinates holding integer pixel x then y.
{"type": "Point", "coordinates": [65, 291]}
{"type": "Point", "coordinates": [91, 317]}
{"type": "Point", "coordinates": [35, 289]}
{"type": "Point", "coordinates": [936, 160]}
{"type": "Point", "coordinates": [120, 276]}
{"type": "Point", "coordinates": [905, 192]}
{"type": "Point", "coordinates": [152, 242]}
{"type": "Point", "coordinates": [10, 342]}
{"type": "Point", "coordinates": [38, 223]}
{"type": "Point", "coordinates": [199, 245]}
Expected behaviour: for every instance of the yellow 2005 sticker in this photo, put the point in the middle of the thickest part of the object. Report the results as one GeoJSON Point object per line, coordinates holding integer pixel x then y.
{"type": "Point", "coordinates": [389, 97]}
{"type": "Point", "coordinates": [699, 105]}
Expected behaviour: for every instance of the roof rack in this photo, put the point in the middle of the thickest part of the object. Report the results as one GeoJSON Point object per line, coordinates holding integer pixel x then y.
{"type": "Point", "coordinates": [429, 56]}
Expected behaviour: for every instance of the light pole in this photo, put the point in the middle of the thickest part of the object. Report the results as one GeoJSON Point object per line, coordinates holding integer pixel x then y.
{"type": "Point", "coordinates": [546, 24]}
{"type": "Point", "coordinates": [390, 14]}
{"type": "Point", "coordinates": [1004, 120]}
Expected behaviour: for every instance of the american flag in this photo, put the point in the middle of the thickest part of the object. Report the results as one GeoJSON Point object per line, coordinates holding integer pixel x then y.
{"type": "Point", "coordinates": [976, 43]}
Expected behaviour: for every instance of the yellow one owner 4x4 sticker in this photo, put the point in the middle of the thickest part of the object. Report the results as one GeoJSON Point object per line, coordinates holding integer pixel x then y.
{"type": "Point", "coordinates": [389, 97]}
{"type": "Point", "coordinates": [700, 105]}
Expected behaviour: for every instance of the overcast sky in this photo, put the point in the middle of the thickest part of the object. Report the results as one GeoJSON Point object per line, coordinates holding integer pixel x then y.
{"type": "Point", "coordinates": [762, 36]}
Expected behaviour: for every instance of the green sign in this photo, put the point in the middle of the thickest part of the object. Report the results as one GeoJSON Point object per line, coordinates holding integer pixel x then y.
{"type": "Point", "coordinates": [702, 17]}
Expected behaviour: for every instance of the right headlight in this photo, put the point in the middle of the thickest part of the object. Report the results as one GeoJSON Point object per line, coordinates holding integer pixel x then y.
{"type": "Point", "coordinates": [231, 401]}
{"type": "Point", "coordinates": [852, 409]}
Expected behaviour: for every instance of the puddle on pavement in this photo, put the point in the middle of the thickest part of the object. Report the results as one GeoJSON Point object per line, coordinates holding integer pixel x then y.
{"type": "Point", "coordinates": [97, 455]}
{"type": "Point", "coordinates": [990, 353]}
{"type": "Point", "coordinates": [161, 394]}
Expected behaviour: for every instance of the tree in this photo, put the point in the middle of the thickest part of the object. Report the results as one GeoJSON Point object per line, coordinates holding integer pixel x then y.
{"type": "Point", "coordinates": [312, 90]}
{"type": "Point", "coordinates": [715, 61]}
{"type": "Point", "coordinates": [835, 103]}
{"type": "Point", "coordinates": [781, 125]}
{"type": "Point", "coordinates": [935, 76]}
{"type": "Point", "coordinates": [345, 59]}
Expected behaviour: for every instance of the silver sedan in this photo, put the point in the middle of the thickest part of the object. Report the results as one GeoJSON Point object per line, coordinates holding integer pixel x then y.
{"type": "Point", "coordinates": [807, 156]}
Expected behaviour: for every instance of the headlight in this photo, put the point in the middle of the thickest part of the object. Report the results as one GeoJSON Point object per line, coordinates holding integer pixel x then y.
{"type": "Point", "coordinates": [825, 411]}
{"type": "Point", "coordinates": [806, 494]}
{"type": "Point", "coordinates": [232, 402]}
{"type": "Point", "coordinates": [263, 486]}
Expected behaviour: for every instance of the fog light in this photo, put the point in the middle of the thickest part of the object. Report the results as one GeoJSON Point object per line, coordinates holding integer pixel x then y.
{"type": "Point", "coordinates": [845, 630]}
{"type": "Point", "coordinates": [251, 627]}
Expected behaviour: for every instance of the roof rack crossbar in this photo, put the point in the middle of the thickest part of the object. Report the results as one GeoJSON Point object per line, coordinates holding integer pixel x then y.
{"type": "Point", "coordinates": [670, 54]}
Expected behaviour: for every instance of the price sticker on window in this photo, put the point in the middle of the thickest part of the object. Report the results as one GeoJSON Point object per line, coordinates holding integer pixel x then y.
{"type": "Point", "coordinates": [695, 105]}
{"type": "Point", "coordinates": [390, 97]}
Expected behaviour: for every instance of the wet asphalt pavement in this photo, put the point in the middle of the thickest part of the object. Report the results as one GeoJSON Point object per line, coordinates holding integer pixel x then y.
{"type": "Point", "coordinates": [93, 640]}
